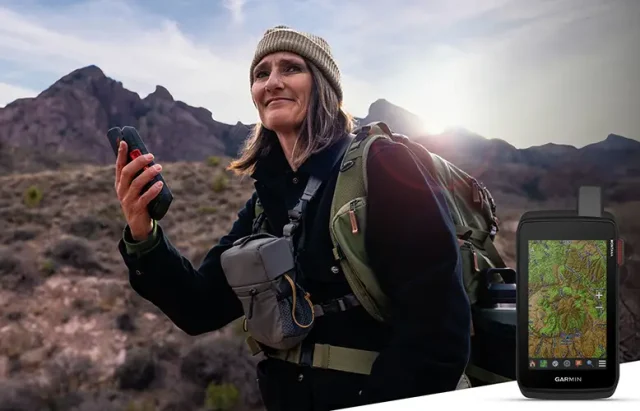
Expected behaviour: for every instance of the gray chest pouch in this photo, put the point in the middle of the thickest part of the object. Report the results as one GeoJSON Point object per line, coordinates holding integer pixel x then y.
{"type": "Point", "coordinates": [262, 271]}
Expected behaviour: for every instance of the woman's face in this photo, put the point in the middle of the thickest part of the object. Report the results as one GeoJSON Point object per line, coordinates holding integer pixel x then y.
{"type": "Point", "coordinates": [281, 91]}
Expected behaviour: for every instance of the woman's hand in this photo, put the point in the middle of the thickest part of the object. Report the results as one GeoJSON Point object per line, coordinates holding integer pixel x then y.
{"type": "Point", "coordinates": [134, 205]}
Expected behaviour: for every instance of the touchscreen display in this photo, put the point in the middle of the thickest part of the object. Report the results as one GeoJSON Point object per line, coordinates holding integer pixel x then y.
{"type": "Point", "coordinates": [567, 313]}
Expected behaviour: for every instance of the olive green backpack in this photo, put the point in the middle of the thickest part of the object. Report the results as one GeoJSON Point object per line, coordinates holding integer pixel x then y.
{"type": "Point", "coordinates": [471, 205]}
{"type": "Point", "coordinates": [473, 212]}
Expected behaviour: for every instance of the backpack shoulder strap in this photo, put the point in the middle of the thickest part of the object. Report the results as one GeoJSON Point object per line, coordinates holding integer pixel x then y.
{"type": "Point", "coordinates": [259, 219]}
{"type": "Point", "coordinates": [352, 178]}
{"type": "Point", "coordinates": [347, 221]}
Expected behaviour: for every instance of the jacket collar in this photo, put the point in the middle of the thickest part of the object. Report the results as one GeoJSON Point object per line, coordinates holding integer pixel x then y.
{"type": "Point", "coordinates": [274, 166]}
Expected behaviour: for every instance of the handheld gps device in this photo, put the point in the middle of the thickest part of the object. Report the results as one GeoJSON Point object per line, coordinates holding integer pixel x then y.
{"type": "Point", "coordinates": [567, 301]}
{"type": "Point", "coordinates": [159, 205]}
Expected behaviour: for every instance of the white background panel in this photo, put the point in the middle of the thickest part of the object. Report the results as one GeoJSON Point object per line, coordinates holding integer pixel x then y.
{"type": "Point", "coordinates": [507, 397]}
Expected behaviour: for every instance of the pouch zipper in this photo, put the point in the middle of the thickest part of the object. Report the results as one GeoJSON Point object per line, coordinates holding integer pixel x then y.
{"type": "Point", "coordinates": [253, 294]}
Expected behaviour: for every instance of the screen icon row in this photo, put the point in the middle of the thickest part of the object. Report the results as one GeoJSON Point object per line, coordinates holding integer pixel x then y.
{"type": "Point", "coordinates": [567, 363]}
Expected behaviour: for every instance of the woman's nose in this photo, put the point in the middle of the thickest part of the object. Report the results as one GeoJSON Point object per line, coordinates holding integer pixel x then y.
{"type": "Point", "coordinates": [273, 82]}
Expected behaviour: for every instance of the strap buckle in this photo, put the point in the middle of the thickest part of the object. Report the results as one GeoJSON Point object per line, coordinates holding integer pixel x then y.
{"type": "Point", "coordinates": [253, 345]}
{"type": "Point", "coordinates": [337, 305]}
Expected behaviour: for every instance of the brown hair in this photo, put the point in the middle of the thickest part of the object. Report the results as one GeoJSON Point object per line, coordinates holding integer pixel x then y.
{"type": "Point", "coordinates": [325, 122]}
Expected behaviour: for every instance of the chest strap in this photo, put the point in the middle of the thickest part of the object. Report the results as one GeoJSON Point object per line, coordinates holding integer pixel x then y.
{"type": "Point", "coordinates": [323, 356]}
{"type": "Point", "coordinates": [339, 359]}
{"type": "Point", "coordinates": [359, 361]}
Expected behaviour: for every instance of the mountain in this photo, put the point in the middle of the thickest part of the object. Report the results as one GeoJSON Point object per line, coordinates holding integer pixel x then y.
{"type": "Point", "coordinates": [65, 125]}
{"type": "Point", "coordinates": [396, 117]}
{"type": "Point", "coordinates": [68, 121]}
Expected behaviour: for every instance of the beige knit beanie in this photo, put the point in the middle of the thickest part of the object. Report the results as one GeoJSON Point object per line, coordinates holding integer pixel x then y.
{"type": "Point", "coordinates": [309, 46]}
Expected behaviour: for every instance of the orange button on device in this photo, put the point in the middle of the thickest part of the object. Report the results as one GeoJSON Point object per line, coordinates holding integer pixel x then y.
{"type": "Point", "coordinates": [620, 255]}
{"type": "Point", "coordinates": [135, 154]}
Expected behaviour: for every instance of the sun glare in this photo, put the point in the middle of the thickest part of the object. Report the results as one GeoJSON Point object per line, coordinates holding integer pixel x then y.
{"type": "Point", "coordinates": [440, 120]}
{"type": "Point", "coordinates": [440, 99]}
{"type": "Point", "coordinates": [436, 127]}
{"type": "Point", "coordinates": [442, 110]}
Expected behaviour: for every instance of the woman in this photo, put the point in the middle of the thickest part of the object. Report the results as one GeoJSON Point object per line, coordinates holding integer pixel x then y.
{"type": "Point", "coordinates": [303, 132]}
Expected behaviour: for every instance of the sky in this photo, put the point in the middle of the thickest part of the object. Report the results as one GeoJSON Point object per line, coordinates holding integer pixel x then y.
{"type": "Point", "coordinates": [529, 72]}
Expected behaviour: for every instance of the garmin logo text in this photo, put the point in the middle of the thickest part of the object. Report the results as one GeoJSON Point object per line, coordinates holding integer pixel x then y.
{"type": "Point", "coordinates": [568, 379]}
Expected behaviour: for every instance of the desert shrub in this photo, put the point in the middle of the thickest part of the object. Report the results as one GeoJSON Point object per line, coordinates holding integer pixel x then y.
{"type": "Point", "coordinates": [20, 216]}
{"type": "Point", "coordinates": [218, 360]}
{"type": "Point", "coordinates": [138, 370]}
{"type": "Point", "coordinates": [48, 267]}
{"type": "Point", "coordinates": [108, 400]}
{"type": "Point", "coordinates": [68, 373]}
{"type": "Point", "coordinates": [184, 396]}
{"type": "Point", "coordinates": [32, 196]}
{"type": "Point", "coordinates": [19, 397]}
{"type": "Point", "coordinates": [21, 234]}
{"type": "Point", "coordinates": [221, 397]}
{"type": "Point", "coordinates": [141, 405]}
{"type": "Point", "coordinates": [166, 350]}
{"type": "Point", "coordinates": [9, 263]}
{"type": "Point", "coordinates": [14, 316]}
{"type": "Point", "coordinates": [17, 340]}
{"type": "Point", "coordinates": [74, 252]}
{"type": "Point", "coordinates": [213, 161]}
{"type": "Point", "coordinates": [178, 405]}
{"type": "Point", "coordinates": [91, 227]}
{"type": "Point", "coordinates": [220, 183]}
{"type": "Point", "coordinates": [111, 211]}
{"type": "Point", "coordinates": [207, 210]}
{"type": "Point", "coordinates": [111, 295]}
{"type": "Point", "coordinates": [16, 274]}
{"type": "Point", "coordinates": [124, 322]}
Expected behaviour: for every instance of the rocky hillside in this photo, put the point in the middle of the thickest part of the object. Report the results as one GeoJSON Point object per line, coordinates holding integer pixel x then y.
{"type": "Point", "coordinates": [73, 336]}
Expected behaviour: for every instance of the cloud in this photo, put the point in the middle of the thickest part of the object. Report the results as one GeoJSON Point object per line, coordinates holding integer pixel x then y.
{"type": "Point", "coordinates": [140, 55]}
{"type": "Point", "coordinates": [235, 7]}
{"type": "Point", "coordinates": [523, 70]}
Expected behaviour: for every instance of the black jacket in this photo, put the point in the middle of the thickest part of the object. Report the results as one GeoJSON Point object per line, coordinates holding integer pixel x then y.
{"type": "Point", "coordinates": [412, 247]}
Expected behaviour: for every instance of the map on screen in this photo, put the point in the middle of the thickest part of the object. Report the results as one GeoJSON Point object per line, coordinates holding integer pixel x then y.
{"type": "Point", "coordinates": [567, 301]}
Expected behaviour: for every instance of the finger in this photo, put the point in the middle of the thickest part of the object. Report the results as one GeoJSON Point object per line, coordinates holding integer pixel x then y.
{"type": "Point", "coordinates": [150, 194]}
{"type": "Point", "coordinates": [144, 178]}
{"type": "Point", "coordinates": [121, 160]}
{"type": "Point", "coordinates": [130, 170]}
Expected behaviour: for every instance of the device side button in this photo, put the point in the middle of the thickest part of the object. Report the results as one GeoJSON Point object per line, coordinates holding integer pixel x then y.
{"type": "Point", "coordinates": [620, 255]}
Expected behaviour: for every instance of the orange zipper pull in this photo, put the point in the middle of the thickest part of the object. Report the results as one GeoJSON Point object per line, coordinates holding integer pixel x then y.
{"type": "Point", "coordinates": [475, 261]}
{"type": "Point", "coordinates": [353, 218]}
{"type": "Point", "coordinates": [476, 192]}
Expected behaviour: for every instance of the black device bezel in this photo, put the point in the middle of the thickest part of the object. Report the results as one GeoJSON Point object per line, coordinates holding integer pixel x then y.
{"type": "Point", "coordinates": [566, 225]}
